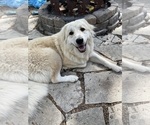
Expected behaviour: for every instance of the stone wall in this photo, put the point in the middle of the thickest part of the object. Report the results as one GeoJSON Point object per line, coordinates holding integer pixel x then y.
{"type": "Point", "coordinates": [105, 20]}
{"type": "Point", "coordinates": [134, 17]}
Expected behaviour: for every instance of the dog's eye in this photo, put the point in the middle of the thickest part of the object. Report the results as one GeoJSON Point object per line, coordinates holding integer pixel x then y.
{"type": "Point", "coordinates": [82, 29]}
{"type": "Point", "coordinates": [71, 33]}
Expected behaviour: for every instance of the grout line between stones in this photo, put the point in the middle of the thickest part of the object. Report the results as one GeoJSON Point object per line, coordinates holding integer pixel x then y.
{"type": "Point", "coordinates": [63, 122]}
{"type": "Point", "coordinates": [105, 70]}
{"type": "Point", "coordinates": [112, 38]}
{"type": "Point", "coordinates": [88, 106]}
{"type": "Point", "coordinates": [135, 38]}
{"type": "Point", "coordinates": [58, 107]}
{"type": "Point", "coordinates": [106, 56]}
{"type": "Point", "coordinates": [82, 83]}
{"type": "Point", "coordinates": [125, 115]}
{"type": "Point", "coordinates": [136, 103]}
{"type": "Point", "coordinates": [100, 40]}
{"type": "Point", "coordinates": [106, 114]}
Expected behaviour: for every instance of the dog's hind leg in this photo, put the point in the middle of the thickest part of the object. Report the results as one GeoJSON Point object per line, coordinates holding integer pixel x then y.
{"type": "Point", "coordinates": [94, 57]}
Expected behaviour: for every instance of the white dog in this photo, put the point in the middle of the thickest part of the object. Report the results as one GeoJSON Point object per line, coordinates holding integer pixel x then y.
{"type": "Point", "coordinates": [43, 58]}
{"type": "Point", "coordinates": [72, 47]}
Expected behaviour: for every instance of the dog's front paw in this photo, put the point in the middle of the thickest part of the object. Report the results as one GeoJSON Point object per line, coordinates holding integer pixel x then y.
{"type": "Point", "coordinates": [72, 78]}
{"type": "Point", "coordinates": [118, 69]}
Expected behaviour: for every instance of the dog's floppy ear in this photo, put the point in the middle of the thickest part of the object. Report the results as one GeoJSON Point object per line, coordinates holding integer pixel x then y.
{"type": "Point", "coordinates": [89, 26]}
{"type": "Point", "coordinates": [63, 32]}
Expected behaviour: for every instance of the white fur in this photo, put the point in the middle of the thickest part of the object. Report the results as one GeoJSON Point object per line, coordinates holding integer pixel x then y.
{"type": "Point", "coordinates": [10, 95]}
{"type": "Point", "coordinates": [13, 93]}
{"type": "Point", "coordinates": [37, 91]}
{"type": "Point", "coordinates": [42, 76]}
{"type": "Point", "coordinates": [14, 60]}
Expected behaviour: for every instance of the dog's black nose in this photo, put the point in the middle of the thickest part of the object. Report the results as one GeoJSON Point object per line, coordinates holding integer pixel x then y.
{"type": "Point", "coordinates": [79, 41]}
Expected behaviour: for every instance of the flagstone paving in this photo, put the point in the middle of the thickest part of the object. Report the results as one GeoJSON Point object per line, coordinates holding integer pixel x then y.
{"type": "Point", "coordinates": [100, 96]}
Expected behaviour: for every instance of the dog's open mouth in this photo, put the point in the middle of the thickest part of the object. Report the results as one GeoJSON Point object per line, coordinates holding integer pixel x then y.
{"type": "Point", "coordinates": [82, 48]}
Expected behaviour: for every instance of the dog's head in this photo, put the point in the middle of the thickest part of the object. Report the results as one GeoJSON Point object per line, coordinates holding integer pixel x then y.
{"type": "Point", "coordinates": [78, 35]}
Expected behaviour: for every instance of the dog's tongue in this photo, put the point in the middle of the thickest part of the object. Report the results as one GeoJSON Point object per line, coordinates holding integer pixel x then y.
{"type": "Point", "coordinates": [82, 48]}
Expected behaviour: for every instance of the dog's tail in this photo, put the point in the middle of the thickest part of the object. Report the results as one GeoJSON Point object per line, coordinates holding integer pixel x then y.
{"type": "Point", "coordinates": [11, 94]}
{"type": "Point", "coordinates": [37, 91]}
{"type": "Point", "coordinates": [20, 98]}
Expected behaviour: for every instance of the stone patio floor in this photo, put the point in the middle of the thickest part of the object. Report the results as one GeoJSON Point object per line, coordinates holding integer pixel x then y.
{"type": "Point", "coordinates": [100, 96]}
